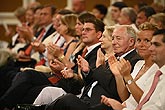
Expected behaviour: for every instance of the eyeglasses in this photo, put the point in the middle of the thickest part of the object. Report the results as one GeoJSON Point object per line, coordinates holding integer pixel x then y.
{"type": "Point", "coordinates": [87, 29]}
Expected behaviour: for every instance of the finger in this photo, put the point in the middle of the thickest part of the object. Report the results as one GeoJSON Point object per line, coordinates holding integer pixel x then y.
{"type": "Point", "coordinates": [36, 44]}
{"type": "Point", "coordinates": [112, 59]}
{"type": "Point", "coordinates": [57, 61]}
{"type": "Point", "coordinates": [80, 57]}
{"type": "Point", "coordinates": [129, 64]}
{"type": "Point", "coordinates": [123, 61]}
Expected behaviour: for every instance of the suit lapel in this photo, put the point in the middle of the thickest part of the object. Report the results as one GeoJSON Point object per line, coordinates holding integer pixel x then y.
{"type": "Point", "coordinates": [49, 32]}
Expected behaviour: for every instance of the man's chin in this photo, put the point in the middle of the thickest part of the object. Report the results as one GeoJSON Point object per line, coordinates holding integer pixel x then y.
{"type": "Point", "coordinates": [153, 58]}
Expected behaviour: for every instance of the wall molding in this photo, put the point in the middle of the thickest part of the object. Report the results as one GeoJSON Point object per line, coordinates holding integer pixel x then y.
{"type": "Point", "coordinates": [8, 18]}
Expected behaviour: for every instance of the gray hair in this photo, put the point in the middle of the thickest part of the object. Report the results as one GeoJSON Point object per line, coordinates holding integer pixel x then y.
{"type": "Point", "coordinates": [130, 30]}
{"type": "Point", "coordinates": [128, 11]}
{"type": "Point", "coordinates": [159, 17]}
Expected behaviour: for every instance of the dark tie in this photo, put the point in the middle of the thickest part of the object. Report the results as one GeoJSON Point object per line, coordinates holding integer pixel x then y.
{"type": "Point", "coordinates": [29, 48]}
{"type": "Point", "coordinates": [148, 95]}
{"type": "Point", "coordinates": [57, 39]}
{"type": "Point", "coordinates": [84, 52]}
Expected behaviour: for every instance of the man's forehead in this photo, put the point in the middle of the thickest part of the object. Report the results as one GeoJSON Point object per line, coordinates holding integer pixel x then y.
{"type": "Point", "coordinates": [88, 25]}
{"type": "Point", "coordinates": [157, 38]}
{"type": "Point", "coordinates": [119, 30]}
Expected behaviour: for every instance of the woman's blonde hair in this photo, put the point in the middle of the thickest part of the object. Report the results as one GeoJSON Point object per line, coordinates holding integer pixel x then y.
{"type": "Point", "coordinates": [70, 21]}
{"type": "Point", "coordinates": [109, 30]}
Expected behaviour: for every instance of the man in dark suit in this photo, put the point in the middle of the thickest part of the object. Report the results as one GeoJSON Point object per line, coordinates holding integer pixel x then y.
{"type": "Point", "coordinates": [14, 94]}
{"type": "Point", "coordinates": [45, 29]}
{"type": "Point", "coordinates": [101, 81]}
{"type": "Point", "coordinates": [30, 78]}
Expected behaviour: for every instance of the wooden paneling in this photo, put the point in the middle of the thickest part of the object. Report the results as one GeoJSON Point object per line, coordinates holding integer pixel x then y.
{"type": "Point", "coordinates": [133, 2]}
{"type": "Point", "coordinates": [9, 5]}
{"type": "Point", "coordinates": [2, 33]}
{"type": "Point", "coordinates": [91, 3]}
{"type": "Point", "coordinates": [58, 3]}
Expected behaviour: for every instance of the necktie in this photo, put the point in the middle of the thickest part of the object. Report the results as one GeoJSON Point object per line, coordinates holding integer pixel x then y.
{"type": "Point", "coordinates": [41, 62]}
{"type": "Point", "coordinates": [55, 78]}
{"type": "Point", "coordinates": [57, 39]}
{"type": "Point", "coordinates": [29, 48]}
{"type": "Point", "coordinates": [84, 52]}
{"type": "Point", "coordinates": [148, 95]}
{"type": "Point", "coordinates": [41, 34]}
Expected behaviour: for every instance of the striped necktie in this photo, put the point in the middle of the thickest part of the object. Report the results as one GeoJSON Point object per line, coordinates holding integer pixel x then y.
{"type": "Point", "coordinates": [148, 95]}
{"type": "Point", "coordinates": [29, 48]}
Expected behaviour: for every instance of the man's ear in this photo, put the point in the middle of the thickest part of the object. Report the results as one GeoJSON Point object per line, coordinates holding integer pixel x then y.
{"type": "Point", "coordinates": [99, 34]}
{"type": "Point", "coordinates": [131, 42]}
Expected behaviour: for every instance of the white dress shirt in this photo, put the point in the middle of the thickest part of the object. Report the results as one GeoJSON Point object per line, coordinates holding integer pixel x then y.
{"type": "Point", "coordinates": [141, 82]}
{"type": "Point", "coordinates": [157, 100]}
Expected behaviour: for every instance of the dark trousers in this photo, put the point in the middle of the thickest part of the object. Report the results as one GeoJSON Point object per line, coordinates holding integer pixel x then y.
{"type": "Point", "coordinates": [25, 88]}
{"type": "Point", "coordinates": [72, 102]}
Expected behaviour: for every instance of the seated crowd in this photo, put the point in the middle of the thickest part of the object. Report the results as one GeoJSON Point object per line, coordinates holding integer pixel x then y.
{"type": "Point", "coordinates": [71, 60]}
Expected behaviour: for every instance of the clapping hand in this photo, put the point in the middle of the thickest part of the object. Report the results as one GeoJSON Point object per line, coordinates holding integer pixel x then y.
{"type": "Point", "coordinates": [100, 58]}
{"type": "Point", "coordinates": [83, 64]}
{"type": "Point", "coordinates": [56, 66]}
{"type": "Point", "coordinates": [113, 64]}
{"type": "Point", "coordinates": [55, 50]}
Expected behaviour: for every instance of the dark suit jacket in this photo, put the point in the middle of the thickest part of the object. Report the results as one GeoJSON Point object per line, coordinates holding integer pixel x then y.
{"type": "Point", "coordinates": [106, 81]}
{"type": "Point", "coordinates": [49, 32]}
{"type": "Point", "coordinates": [74, 86]}
{"type": "Point", "coordinates": [106, 86]}
{"type": "Point", "coordinates": [91, 58]}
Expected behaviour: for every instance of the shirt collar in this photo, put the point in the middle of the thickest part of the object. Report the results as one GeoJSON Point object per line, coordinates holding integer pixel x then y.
{"type": "Point", "coordinates": [162, 69]}
{"type": "Point", "coordinates": [48, 27]}
{"type": "Point", "coordinates": [90, 48]}
{"type": "Point", "coordinates": [126, 53]}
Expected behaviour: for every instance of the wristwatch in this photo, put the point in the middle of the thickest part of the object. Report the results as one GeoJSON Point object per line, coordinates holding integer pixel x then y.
{"type": "Point", "coordinates": [129, 81]}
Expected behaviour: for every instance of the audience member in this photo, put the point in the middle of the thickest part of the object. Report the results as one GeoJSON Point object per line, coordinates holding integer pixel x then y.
{"type": "Point", "coordinates": [49, 94]}
{"type": "Point", "coordinates": [100, 11]}
{"type": "Point", "coordinates": [92, 31]}
{"type": "Point", "coordinates": [158, 7]}
{"type": "Point", "coordinates": [106, 43]}
{"type": "Point", "coordinates": [142, 71]}
{"type": "Point", "coordinates": [127, 16]}
{"type": "Point", "coordinates": [158, 20]}
{"type": "Point", "coordinates": [20, 15]}
{"type": "Point", "coordinates": [157, 54]}
{"type": "Point", "coordinates": [78, 6]}
{"type": "Point", "coordinates": [67, 30]}
{"type": "Point", "coordinates": [116, 9]}
{"type": "Point", "coordinates": [139, 5]}
{"type": "Point", "coordinates": [55, 37]}
{"type": "Point", "coordinates": [100, 83]}
{"type": "Point", "coordinates": [143, 14]}
{"type": "Point", "coordinates": [46, 28]}
{"type": "Point", "coordinates": [46, 15]}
